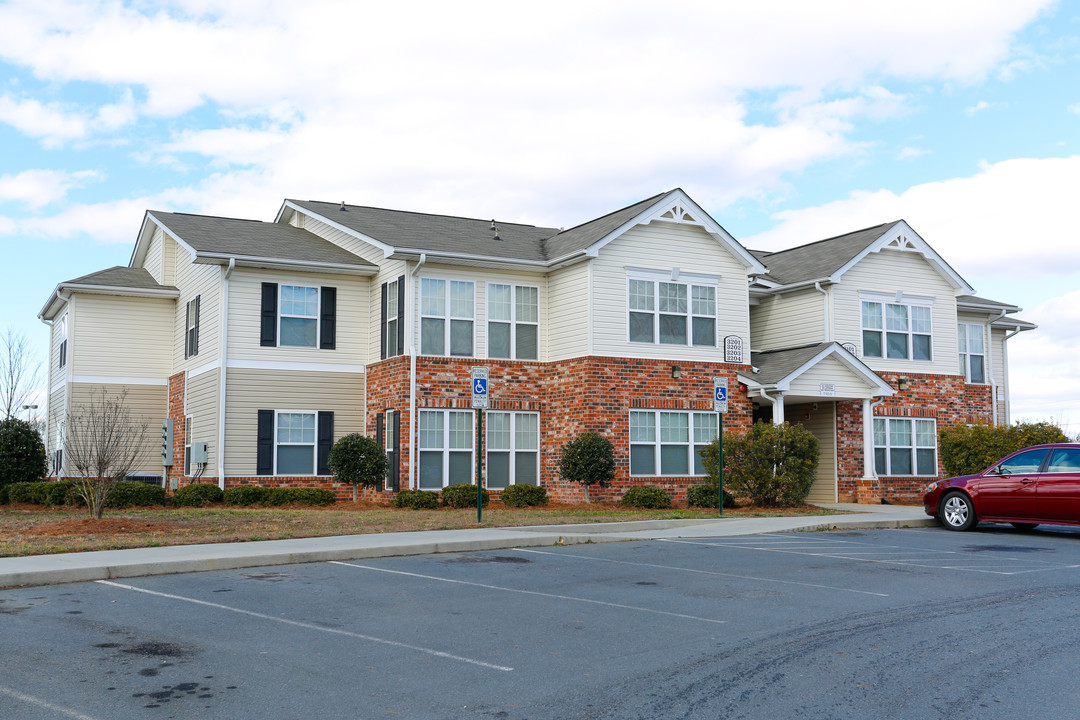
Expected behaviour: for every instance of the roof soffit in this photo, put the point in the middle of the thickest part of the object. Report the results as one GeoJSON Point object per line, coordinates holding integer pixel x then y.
{"type": "Point", "coordinates": [834, 350]}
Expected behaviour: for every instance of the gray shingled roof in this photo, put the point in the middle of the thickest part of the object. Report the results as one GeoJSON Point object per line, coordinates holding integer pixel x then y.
{"type": "Point", "coordinates": [985, 302]}
{"type": "Point", "coordinates": [820, 259]}
{"type": "Point", "coordinates": [405, 230]}
{"type": "Point", "coordinates": [256, 239]}
{"type": "Point", "coordinates": [775, 365]}
{"type": "Point", "coordinates": [121, 277]}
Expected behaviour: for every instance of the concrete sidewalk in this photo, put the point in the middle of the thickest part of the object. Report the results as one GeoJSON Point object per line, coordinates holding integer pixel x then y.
{"type": "Point", "coordinates": [112, 564]}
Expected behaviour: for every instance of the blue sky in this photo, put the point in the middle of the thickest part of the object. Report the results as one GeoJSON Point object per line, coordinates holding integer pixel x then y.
{"type": "Point", "coordinates": [789, 122]}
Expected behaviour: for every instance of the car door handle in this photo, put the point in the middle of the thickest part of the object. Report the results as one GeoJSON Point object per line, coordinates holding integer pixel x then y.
{"type": "Point", "coordinates": [1027, 481]}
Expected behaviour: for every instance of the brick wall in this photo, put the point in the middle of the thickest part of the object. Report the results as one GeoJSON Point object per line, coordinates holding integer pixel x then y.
{"type": "Point", "coordinates": [177, 395]}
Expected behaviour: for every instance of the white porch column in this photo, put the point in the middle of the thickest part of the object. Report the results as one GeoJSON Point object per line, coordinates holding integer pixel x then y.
{"type": "Point", "coordinates": [778, 410]}
{"type": "Point", "coordinates": [868, 439]}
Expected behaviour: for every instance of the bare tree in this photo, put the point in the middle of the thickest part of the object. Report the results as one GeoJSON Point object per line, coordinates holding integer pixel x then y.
{"type": "Point", "coordinates": [104, 442]}
{"type": "Point", "coordinates": [20, 373]}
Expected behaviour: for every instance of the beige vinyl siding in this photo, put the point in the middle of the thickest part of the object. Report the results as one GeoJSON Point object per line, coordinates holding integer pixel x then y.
{"type": "Point", "coordinates": [340, 238]}
{"type": "Point", "coordinates": [146, 405]}
{"type": "Point", "coordinates": [56, 415]}
{"type": "Point", "coordinates": [480, 279]}
{"type": "Point", "coordinates": [390, 271]}
{"type": "Point", "coordinates": [201, 405]}
{"type": "Point", "coordinates": [56, 373]}
{"type": "Point", "coordinates": [154, 256]}
{"type": "Point", "coordinates": [831, 370]}
{"type": "Point", "coordinates": [999, 371]}
{"type": "Point", "coordinates": [206, 283]}
{"type": "Point", "coordinates": [822, 423]}
{"type": "Point", "coordinates": [789, 320]}
{"type": "Point", "coordinates": [252, 390]}
{"type": "Point", "coordinates": [120, 336]}
{"type": "Point", "coordinates": [245, 309]}
{"type": "Point", "coordinates": [663, 246]}
{"type": "Point", "coordinates": [567, 331]}
{"type": "Point", "coordinates": [892, 271]}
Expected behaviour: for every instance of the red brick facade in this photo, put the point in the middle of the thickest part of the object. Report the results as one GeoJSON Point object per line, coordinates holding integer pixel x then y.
{"type": "Point", "coordinates": [177, 394]}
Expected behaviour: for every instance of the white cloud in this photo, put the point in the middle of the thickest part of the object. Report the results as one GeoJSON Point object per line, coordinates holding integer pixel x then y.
{"type": "Point", "coordinates": [977, 108]}
{"type": "Point", "coordinates": [37, 188]}
{"type": "Point", "coordinates": [52, 124]}
{"type": "Point", "coordinates": [1075, 108]}
{"type": "Point", "coordinates": [910, 153]}
{"type": "Point", "coordinates": [1045, 364]}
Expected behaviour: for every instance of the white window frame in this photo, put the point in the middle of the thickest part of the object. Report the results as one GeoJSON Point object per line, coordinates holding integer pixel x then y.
{"type": "Point", "coordinates": [514, 450]}
{"type": "Point", "coordinates": [688, 284]}
{"type": "Point", "coordinates": [964, 334]}
{"type": "Point", "coordinates": [314, 441]}
{"type": "Point", "coordinates": [888, 446]}
{"type": "Point", "coordinates": [283, 315]}
{"type": "Point", "coordinates": [390, 328]}
{"type": "Point", "coordinates": [699, 426]}
{"type": "Point", "coordinates": [445, 450]}
{"type": "Point", "coordinates": [61, 352]}
{"type": "Point", "coordinates": [884, 331]}
{"type": "Point", "coordinates": [448, 317]}
{"type": "Point", "coordinates": [192, 335]}
{"type": "Point", "coordinates": [514, 322]}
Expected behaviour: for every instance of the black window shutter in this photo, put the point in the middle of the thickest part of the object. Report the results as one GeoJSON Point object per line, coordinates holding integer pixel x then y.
{"type": "Point", "coordinates": [380, 440]}
{"type": "Point", "coordinates": [328, 331]}
{"type": "Point", "coordinates": [325, 442]}
{"type": "Point", "coordinates": [264, 456]}
{"type": "Point", "coordinates": [401, 315]}
{"type": "Point", "coordinates": [187, 333]}
{"type": "Point", "coordinates": [395, 464]}
{"type": "Point", "coordinates": [382, 326]}
{"type": "Point", "coordinates": [268, 336]}
{"type": "Point", "coordinates": [195, 340]}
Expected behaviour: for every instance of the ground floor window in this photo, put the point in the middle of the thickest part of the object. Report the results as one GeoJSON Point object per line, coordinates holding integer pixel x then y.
{"type": "Point", "coordinates": [513, 449]}
{"type": "Point", "coordinates": [669, 443]}
{"type": "Point", "coordinates": [905, 446]}
{"type": "Point", "coordinates": [295, 449]}
{"type": "Point", "coordinates": [446, 448]}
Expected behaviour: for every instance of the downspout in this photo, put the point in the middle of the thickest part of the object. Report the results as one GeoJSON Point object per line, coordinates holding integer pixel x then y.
{"type": "Point", "coordinates": [1005, 371]}
{"type": "Point", "coordinates": [409, 313]}
{"type": "Point", "coordinates": [224, 371]}
{"type": "Point", "coordinates": [869, 471]}
{"type": "Point", "coordinates": [990, 365]}
{"type": "Point", "coordinates": [827, 313]}
{"type": "Point", "coordinates": [778, 406]}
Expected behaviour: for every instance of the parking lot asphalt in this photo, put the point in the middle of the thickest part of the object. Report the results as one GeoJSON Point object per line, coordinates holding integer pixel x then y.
{"type": "Point", "coordinates": [141, 562]}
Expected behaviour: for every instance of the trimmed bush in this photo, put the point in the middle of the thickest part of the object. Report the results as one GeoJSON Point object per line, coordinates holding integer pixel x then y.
{"type": "Point", "coordinates": [197, 495]}
{"type": "Point", "coordinates": [774, 465]}
{"type": "Point", "coordinates": [246, 495]}
{"type": "Point", "coordinates": [463, 496]}
{"type": "Point", "coordinates": [646, 496]}
{"type": "Point", "coordinates": [22, 452]}
{"type": "Point", "coordinates": [705, 496]}
{"type": "Point", "coordinates": [588, 459]}
{"type": "Point", "coordinates": [359, 461]}
{"type": "Point", "coordinates": [42, 493]}
{"type": "Point", "coordinates": [135, 494]}
{"type": "Point", "coordinates": [967, 450]}
{"type": "Point", "coordinates": [301, 496]}
{"type": "Point", "coordinates": [417, 500]}
{"type": "Point", "coordinates": [524, 496]}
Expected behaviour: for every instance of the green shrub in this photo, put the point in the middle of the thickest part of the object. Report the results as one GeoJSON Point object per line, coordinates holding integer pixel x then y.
{"type": "Point", "coordinates": [22, 452]}
{"type": "Point", "coordinates": [135, 494]}
{"type": "Point", "coordinates": [197, 495]}
{"type": "Point", "coordinates": [358, 460]}
{"type": "Point", "coordinates": [774, 465]}
{"type": "Point", "coordinates": [524, 495]}
{"type": "Point", "coordinates": [967, 450]}
{"type": "Point", "coordinates": [646, 496]}
{"type": "Point", "coordinates": [3, 494]}
{"type": "Point", "coordinates": [417, 499]}
{"type": "Point", "coordinates": [301, 496]}
{"type": "Point", "coordinates": [246, 495]}
{"type": "Point", "coordinates": [463, 496]}
{"type": "Point", "coordinates": [705, 496]}
{"type": "Point", "coordinates": [588, 459]}
{"type": "Point", "coordinates": [42, 493]}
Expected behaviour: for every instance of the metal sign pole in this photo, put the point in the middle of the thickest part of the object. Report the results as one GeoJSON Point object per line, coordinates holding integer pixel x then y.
{"type": "Point", "coordinates": [720, 406]}
{"type": "Point", "coordinates": [480, 393]}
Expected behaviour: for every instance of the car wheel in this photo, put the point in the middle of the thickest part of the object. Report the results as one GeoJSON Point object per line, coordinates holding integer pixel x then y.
{"type": "Point", "coordinates": [956, 512]}
{"type": "Point", "coordinates": [1025, 527]}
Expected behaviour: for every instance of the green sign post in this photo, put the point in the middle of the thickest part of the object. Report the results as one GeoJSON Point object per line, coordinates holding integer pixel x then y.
{"type": "Point", "coordinates": [479, 403]}
{"type": "Point", "coordinates": [720, 406]}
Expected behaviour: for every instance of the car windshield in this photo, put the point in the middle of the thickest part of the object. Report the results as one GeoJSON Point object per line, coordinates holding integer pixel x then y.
{"type": "Point", "coordinates": [1025, 462]}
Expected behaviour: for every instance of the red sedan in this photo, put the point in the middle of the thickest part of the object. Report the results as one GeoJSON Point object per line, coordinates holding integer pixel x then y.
{"type": "Point", "coordinates": [1039, 484]}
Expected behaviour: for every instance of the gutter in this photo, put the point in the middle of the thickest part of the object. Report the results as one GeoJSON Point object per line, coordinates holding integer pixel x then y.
{"type": "Point", "coordinates": [414, 481]}
{"type": "Point", "coordinates": [224, 371]}
{"type": "Point", "coordinates": [827, 314]}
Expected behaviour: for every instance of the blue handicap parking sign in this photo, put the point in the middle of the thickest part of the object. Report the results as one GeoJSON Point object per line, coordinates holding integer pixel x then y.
{"type": "Point", "coordinates": [721, 393]}
{"type": "Point", "coordinates": [479, 386]}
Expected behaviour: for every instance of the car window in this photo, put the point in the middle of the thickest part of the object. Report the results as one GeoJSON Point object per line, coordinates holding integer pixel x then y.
{"type": "Point", "coordinates": [1025, 462]}
{"type": "Point", "coordinates": [1064, 460]}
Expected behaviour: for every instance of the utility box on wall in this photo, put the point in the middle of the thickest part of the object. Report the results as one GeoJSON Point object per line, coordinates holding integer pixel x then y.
{"type": "Point", "coordinates": [200, 452]}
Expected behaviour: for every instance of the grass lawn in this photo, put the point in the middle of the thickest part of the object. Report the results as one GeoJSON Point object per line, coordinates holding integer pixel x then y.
{"type": "Point", "coordinates": [32, 530]}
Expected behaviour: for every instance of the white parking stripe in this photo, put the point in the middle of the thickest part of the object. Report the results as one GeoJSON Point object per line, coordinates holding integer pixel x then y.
{"type": "Point", "coordinates": [30, 700]}
{"type": "Point", "coordinates": [703, 572]}
{"type": "Point", "coordinates": [529, 592]}
{"type": "Point", "coordinates": [309, 626]}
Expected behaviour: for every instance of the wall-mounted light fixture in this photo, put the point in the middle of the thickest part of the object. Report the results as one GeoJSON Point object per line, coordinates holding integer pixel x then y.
{"type": "Point", "coordinates": [903, 384]}
{"type": "Point", "coordinates": [676, 373]}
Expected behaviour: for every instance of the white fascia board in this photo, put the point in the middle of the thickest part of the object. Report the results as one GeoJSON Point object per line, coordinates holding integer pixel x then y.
{"type": "Point", "coordinates": [161, 293]}
{"type": "Point", "coordinates": [486, 261]}
{"type": "Point", "coordinates": [282, 264]}
{"type": "Point", "coordinates": [147, 233]}
{"type": "Point", "coordinates": [923, 247]}
{"type": "Point", "coordinates": [706, 221]}
{"type": "Point", "coordinates": [1013, 324]}
{"type": "Point", "coordinates": [988, 307]}
{"type": "Point", "coordinates": [387, 250]}
{"type": "Point", "coordinates": [858, 367]}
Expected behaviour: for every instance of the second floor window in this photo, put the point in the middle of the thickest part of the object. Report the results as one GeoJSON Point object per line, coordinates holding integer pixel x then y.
{"type": "Point", "coordinates": [672, 313]}
{"type": "Point", "coordinates": [191, 337]}
{"type": "Point", "coordinates": [299, 316]}
{"type": "Point", "coordinates": [446, 317]}
{"type": "Point", "coordinates": [62, 350]}
{"type": "Point", "coordinates": [513, 322]}
{"type": "Point", "coordinates": [896, 331]}
{"type": "Point", "coordinates": [972, 352]}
